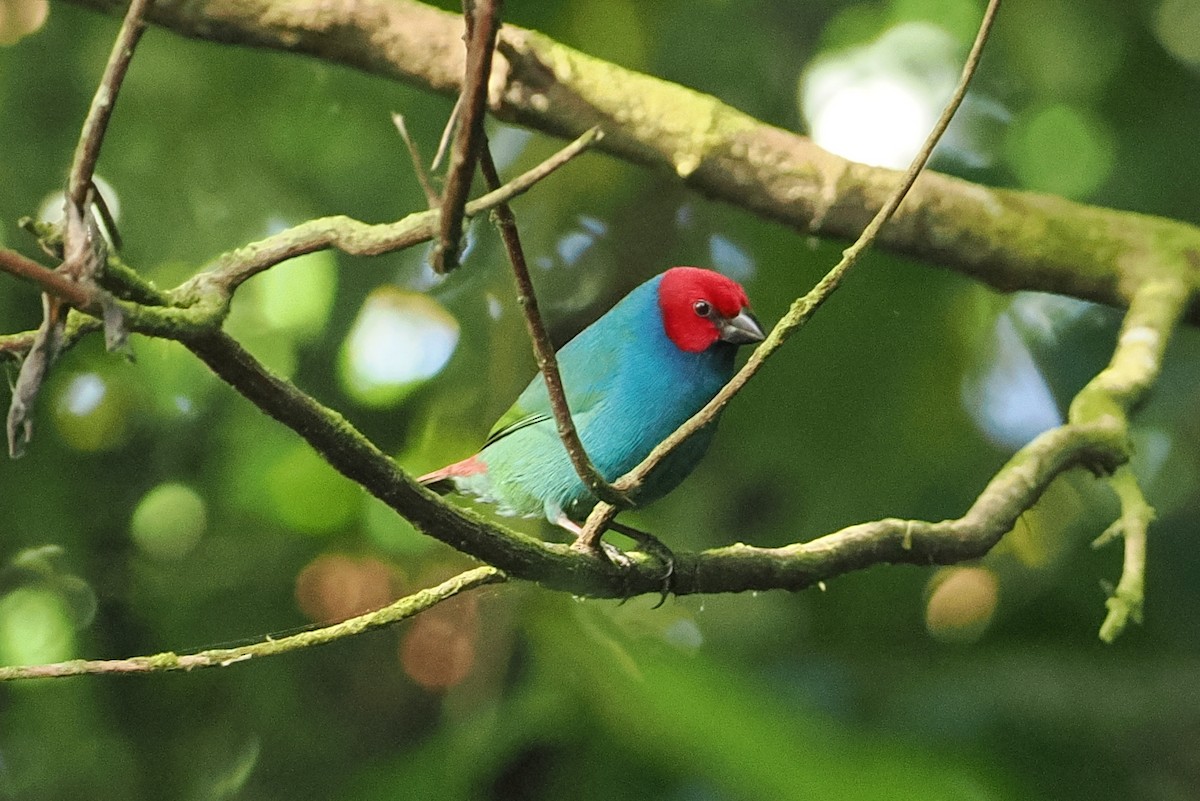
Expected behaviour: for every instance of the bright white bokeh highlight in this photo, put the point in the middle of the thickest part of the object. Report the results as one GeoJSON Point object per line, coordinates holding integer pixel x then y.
{"type": "Point", "coordinates": [399, 340]}
{"type": "Point", "coordinates": [876, 103]}
{"type": "Point", "coordinates": [53, 209]}
{"type": "Point", "coordinates": [84, 394]}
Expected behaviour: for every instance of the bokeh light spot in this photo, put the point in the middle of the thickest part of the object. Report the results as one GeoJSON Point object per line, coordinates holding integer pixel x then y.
{"type": "Point", "coordinates": [84, 394]}
{"type": "Point", "coordinates": [35, 627]}
{"type": "Point", "coordinates": [297, 297]}
{"type": "Point", "coordinates": [168, 521]}
{"type": "Point", "coordinates": [1009, 398]}
{"type": "Point", "coordinates": [52, 208]}
{"type": "Point", "coordinates": [306, 495]}
{"type": "Point", "coordinates": [1177, 26]}
{"type": "Point", "coordinates": [1060, 149]}
{"type": "Point", "coordinates": [398, 342]}
{"type": "Point", "coordinates": [19, 18]}
{"type": "Point", "coordinates": [961, 604]}
{"type": "Point", "coordinates": [730, 258]}
{"type": "Point", "coordinates": [334, 587]}
{"type": "Point", "coordinates": [876, 103]}
{"type": "Point", "coordinates": [91, 413]}
{"type": "Point", "coordinates": [438, 652]}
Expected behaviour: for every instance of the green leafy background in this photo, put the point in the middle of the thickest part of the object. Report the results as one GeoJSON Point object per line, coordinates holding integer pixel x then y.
{"type": "Point", "coordinates": [158, 510]}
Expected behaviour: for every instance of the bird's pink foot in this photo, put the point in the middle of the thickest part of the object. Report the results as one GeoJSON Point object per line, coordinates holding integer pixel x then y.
{"type": "Point", "coordinates": [594, 546]}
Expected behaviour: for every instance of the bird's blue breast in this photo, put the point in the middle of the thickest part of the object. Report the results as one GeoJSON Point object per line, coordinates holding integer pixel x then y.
{"type": "Point", "coordinates": [628, 387]}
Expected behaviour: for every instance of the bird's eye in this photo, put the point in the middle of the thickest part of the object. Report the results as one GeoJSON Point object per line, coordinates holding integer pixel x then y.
{"type": "Point", "coordinates": [702, 308]}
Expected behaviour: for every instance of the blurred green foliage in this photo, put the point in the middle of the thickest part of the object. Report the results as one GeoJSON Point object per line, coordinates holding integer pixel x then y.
{"type": "Point", "coordinates": [157, 509]}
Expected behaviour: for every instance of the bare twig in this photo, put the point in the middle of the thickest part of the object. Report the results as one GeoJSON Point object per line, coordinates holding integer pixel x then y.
{"type": "Point", "coordinates": [483, 21]}
{"type": "Point", "coordinates": [94, 126]}
{"type": "Point", "coordinates": [50, 281]}
{"type": "Point", "coordinates": [543, 349]}
{"type": "Point", "coordinates": [84, 251]}
{"type": "Point", "coordinates": [431, 195]}
{"type": "Point", "coordinates": [802, 308]}
{"type": "Point", "coordinates": [224, 657]}
{"type": "Point", "coordinates": [447, 133]}
{"type": "Point", "coordinates": [363, 239]}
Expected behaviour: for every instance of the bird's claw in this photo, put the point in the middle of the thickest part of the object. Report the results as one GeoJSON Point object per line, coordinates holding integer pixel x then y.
{"type": "Point", "coordinates": [654, 547]}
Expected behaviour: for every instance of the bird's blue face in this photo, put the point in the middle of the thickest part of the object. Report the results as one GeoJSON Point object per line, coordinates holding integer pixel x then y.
{"type": "Point", "coordinates": [702, 307]}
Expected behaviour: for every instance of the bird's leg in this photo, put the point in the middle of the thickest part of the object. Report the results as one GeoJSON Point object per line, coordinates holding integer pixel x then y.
{"type": "Point", "coordinates": [647, 541]}
{"type": "Point", "coordinates": [602, 549]}
{"type": "Point", "coordinates": [656, 548]}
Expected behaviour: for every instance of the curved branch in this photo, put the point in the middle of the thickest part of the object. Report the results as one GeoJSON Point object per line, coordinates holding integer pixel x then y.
{"type": "Point", "coordinates": [1144, 261]}
{"type": "Point", "coordinates": [1007, 239]}
{"type": "Point", "coordinates": [224, 657]}
{"type": "Point", "coordinates": [200, 304]}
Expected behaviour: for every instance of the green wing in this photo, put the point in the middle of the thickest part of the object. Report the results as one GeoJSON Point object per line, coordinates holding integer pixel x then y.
{"type": "Point", "coordinates": [515, 419]}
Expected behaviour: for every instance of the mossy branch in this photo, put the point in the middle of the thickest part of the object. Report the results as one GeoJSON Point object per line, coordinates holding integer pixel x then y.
{"type": "Point", "coordinates": [224, 657]}
{"type": "Point", "coordinates": [1146, 263]}
{"type": "Point", "coordinates": [1006, 239]}
{"type": "Point", "coordinates": [1110, 398]}
{"type": "Point", "coordinates": [200, 305]}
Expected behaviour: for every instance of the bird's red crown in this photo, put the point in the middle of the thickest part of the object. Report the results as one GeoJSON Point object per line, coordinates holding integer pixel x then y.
{"type": "Point", "coordinates": [691, 299]}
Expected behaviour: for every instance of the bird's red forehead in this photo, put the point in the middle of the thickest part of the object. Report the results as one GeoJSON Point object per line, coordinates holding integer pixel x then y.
{"type": "Point", "coordinates": [689, 326]}
{"type": "Point", "coordinates": [683, 286]}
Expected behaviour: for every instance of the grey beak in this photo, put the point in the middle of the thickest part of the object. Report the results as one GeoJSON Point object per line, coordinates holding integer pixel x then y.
{"type": "Point", "coordinates": [741, 330]}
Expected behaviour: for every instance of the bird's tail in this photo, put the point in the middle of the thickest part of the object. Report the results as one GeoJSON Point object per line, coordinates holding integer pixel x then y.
{"type": "Point", "coordinates": [442, 481]}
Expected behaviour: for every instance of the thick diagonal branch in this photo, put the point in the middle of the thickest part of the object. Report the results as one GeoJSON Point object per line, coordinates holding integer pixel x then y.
{"type": "Point", "coordinates": [1007, 239]}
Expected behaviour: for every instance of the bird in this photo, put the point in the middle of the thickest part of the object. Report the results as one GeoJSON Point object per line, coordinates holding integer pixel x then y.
{"type": "Point", "coordinates": [630, 379]}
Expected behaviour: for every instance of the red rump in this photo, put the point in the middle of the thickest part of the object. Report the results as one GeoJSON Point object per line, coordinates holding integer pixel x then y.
{"type": "Point", "coordinates": [682, 288]}
{"type": "Point", "coordinates": [467, 467]}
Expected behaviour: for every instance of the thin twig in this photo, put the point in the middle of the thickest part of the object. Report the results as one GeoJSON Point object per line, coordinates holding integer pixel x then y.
{"type": "Point", "coordinates": [224, 657]}
{"type": "Point", "coordinates": [201, 302]}
{"type": "Point", "coordinates": [447, 132]}
{"type": "Point", "coordinates": [431, 195]}
{"type": "Point", "coordinates": [803, 308]}
{"type": "Point", "coordinates": [1125, 602]}
{"type": "Point", "coordinates": [364, 239]}
{"type": "Point", "coordinates": [51, 282]}
{"type": "Point", "coordinates": [84, 249]}
{"type": "Point", "coordinates": [543, 349]}
{"type": "Point", "coordinates": [96, 123]}
{"type": "Point", "coordinates": [1154, 311]}
{"type": "Point", "coordinates": [482, 24]}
